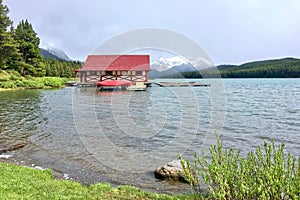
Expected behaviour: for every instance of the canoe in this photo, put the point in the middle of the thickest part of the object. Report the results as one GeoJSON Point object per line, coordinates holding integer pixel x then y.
{"type": "Point", "coordinates": [113, 83]}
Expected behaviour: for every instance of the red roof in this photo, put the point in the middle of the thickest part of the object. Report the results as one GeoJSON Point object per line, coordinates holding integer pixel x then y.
{"type": "Point", "coordinates": [116, 63]}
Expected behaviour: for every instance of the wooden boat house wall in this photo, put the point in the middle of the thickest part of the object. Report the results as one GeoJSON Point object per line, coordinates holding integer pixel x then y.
{"type": "Point", "coordinates": [97, 68]}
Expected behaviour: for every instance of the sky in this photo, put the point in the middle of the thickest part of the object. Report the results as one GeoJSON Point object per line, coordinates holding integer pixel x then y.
{"type": "Point", "coordinates": [230, 31]}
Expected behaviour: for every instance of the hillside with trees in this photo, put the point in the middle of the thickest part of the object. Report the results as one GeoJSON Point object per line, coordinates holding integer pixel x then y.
{"type": "Point", "coordinates": [20, 55]}
{"type": "Point", "coordinates": [277, 68]}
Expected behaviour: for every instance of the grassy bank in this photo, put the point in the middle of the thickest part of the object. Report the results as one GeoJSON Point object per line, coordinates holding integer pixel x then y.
{"type": "Point", "coordinates": [19, 182]}
{"type": "Point", "coordinates": [13, 80]}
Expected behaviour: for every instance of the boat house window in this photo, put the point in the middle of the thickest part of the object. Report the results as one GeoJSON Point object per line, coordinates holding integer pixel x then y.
{"type": "Point", "coordinates": [139, 73]}
{"type": "Point", "coordinates": [93, 73]}
{"type": "Point", "coordinates": [125, 72]}
{"type": "Point", "coordinates": [109, 73]}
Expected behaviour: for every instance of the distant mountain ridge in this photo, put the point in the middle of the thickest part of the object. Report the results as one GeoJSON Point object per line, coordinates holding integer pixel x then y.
{"type": "Point", "coordinates": [172, 70]}
{"type": "Point", "coordinates": [174, 65]}
{"type": "Point", "coordinates": [54, 54]}
{"type": "Point", "coordinates": [276, 68]}
{"type": "Point", "coordinates": [163, 64]}
{"type": "Point", "coordinates": [261, 63]}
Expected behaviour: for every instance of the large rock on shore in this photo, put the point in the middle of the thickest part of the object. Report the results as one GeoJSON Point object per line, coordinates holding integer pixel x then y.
{"type": "Point", "coordinates": [172, 170]}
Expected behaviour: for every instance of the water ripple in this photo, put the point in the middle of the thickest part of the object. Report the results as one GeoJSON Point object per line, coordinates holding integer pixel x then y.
{"type": "Point", "coordinates": [257, 110]}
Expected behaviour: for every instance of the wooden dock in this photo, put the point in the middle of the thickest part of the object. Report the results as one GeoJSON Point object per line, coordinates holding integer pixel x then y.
{"type": "Point", "coordinates": [148, 84]}
{"type": "Point", "coordinates": [87, 84]}
{"type": "Point", "coordinates": [181, 84]}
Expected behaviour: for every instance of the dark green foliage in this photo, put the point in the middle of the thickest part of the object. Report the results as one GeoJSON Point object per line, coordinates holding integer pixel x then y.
{"type": "Point", "coordinates": [20, 52]}
{"type": "Point", "coordinates": [58, 68]}
{"type": "Point", "coordinates": [280, 68]}
{"type": "Point", "coordinates": [28, 45]}
{"type": "Point", "coordinates": [267, 173]}
{"type": "Point", "coordinates": [9, 56]}
{"type": "Point", "coordinates": [28, 41]}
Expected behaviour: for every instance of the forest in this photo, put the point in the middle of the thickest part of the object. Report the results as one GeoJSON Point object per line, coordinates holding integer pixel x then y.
{"type": "Point", "coordinates": [277, 68]}
{"type": "Point", "coordinates": [20, 56]}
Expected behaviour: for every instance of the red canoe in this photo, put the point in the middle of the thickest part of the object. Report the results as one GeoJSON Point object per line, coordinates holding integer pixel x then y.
{"type": "Point", "coordinates": [113, 83]}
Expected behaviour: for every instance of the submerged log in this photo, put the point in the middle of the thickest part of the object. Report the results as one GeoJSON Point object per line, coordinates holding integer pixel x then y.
{"type": "Point", "coordinates": [14, 147]}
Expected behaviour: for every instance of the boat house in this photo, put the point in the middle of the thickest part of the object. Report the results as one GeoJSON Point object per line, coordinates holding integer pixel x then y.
{"type": "Point", "coordinates": [98, 68]}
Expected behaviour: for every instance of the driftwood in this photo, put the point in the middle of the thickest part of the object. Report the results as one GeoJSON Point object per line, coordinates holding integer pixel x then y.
{"type": "Point", "coordinates": [14, 147]}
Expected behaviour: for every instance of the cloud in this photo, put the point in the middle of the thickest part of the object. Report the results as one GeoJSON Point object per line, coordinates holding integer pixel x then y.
{"type": "Point", "coordinates": [231, 31]}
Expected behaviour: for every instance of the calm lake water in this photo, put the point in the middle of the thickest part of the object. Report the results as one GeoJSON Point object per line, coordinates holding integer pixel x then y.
{"type": "Point", "coordinates": [121, 137]}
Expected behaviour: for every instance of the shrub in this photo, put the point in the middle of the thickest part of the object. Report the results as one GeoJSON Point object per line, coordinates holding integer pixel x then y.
{"type": "Point", "coordinates": [53, 81]}
{"type": "Point", "coordinates": [31, 84]}
{"type": "Point", "coordinates": [4, 76]}
{"type": "Point", "coordinates": [3, 79]}
{"type": "Point", "coordinates": [8, 84]}
{"type": "Point", "coordinates": [19, 83]}
{"type": "Point", "coordinates": [267, 173]}
{"type": "Point", "coordinates": [14, 79]}
{"type": "Point", "coordinates": [14, 75]}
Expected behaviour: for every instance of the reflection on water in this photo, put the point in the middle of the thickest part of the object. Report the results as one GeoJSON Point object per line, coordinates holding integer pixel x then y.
{"type": "Point", "coordinates": [159, 123]}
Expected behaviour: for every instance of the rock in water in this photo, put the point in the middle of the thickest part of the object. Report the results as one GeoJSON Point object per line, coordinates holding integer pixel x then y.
{"type": "Point", "coordinates": [173, 171]}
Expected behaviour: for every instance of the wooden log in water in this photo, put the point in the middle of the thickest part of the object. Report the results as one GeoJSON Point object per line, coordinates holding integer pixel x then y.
{"type": "Point", "coordinates": [14, 147]}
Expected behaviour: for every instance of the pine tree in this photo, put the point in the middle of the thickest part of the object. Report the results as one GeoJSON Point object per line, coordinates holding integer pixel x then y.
{"type": "Point", "coordinates": [14, 60]}
{"type": "Point", "coordinates": [9, 56]}
{"type": "Point", "coordinates": [28, 45]}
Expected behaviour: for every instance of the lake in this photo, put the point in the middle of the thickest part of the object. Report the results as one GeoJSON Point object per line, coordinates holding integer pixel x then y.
{"type": "Point", "coordinates": [121, 137]}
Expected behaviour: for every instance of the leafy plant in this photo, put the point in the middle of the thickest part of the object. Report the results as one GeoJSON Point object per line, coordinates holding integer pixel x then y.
{"type": "Point", "coordinates": [7, 84]}
{"type": "Point", "coordinates": [267, 173]}
{"type": "Point", "coordinates": [53, 81]}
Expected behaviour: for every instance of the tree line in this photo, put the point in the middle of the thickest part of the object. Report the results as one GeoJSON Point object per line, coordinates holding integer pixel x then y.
{"type": "Point", "coordinates": [279, 68]}
{"type": "Point", "coordinates": [20, 52]}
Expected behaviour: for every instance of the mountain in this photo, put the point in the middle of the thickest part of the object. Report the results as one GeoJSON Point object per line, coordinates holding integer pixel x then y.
{"type": "Point", "coordinates": [167, 66]}
{"type": "Point", "coordinates": [48, 55]}
{"type": "Point", "coordinates": [54, 53]}
{"type": "Point", "coordinates": [163, 64]}
{"type": "Point", "coordinates": [259, 64]}
{"type": "Point", "coordinates": [276, 68]}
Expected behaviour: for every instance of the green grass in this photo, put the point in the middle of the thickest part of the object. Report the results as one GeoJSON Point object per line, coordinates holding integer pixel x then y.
{"type": "Point", "coordinates": [19, 182]}
{"type": "Point", "coordinates": [13, 80]}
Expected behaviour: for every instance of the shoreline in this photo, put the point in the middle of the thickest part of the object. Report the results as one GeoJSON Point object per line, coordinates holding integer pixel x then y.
{"type": "Point", "coordinates": [91, 175]}
{"type": "Point", "coordinates": [24, 88]}
{"type": "Point", "coordinates": [134, 192]}
{"type": "Point", "coordinates": [18, 181]}
{"type": "Point", "coordinates": [57, 175]}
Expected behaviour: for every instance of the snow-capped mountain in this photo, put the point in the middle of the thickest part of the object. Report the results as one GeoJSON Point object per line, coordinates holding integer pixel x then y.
{"type": "Point", "coordinates": [163, 64]}
{"type": "Point", "coordinates": [57, 52]}
{"type": "Point", "coordinates": [166, 66]}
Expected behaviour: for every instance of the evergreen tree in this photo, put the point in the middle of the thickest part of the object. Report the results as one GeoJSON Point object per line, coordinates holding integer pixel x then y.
{"type": "Point", "coordinates": [9, 56]}
{"type": "Point", "coordinates": [28, 45]}
{"type": "Point", "coordinates": [67, 71]}
{"type": "Point", "coordinates": [14, 61]}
